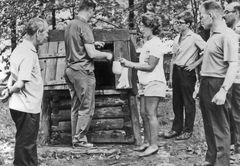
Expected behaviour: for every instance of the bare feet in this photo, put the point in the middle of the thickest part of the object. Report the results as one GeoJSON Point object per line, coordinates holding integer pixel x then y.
{"type": "Point", "coordinates": [142, 147]}
{"type": "Point", "coordinates": [149, 151]}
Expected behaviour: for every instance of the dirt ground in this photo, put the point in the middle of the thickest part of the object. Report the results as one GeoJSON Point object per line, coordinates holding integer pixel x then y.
{"type": "Point", "coordinates": [171, 152]}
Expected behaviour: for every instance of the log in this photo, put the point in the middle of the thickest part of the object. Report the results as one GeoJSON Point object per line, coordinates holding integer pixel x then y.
{"type": "Point", "coordinates": [96, 124]}
{"type": "Point", "coordinates": [101, 112]}
{"type": "Point", "coordinates": [110, 136]}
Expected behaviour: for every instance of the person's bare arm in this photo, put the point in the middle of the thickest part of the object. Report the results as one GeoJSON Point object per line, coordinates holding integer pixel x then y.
{"type": "Point", "coordinates": [220, 96]}
{"type": "Point", "coordinates": [95, 54]}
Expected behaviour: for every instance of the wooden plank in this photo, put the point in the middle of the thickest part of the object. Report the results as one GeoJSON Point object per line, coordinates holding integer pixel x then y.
{"type": "Point", "coordinates": [43, 66]}
{"type": "Point", "coordinates": [43, 49]}
{"type": "Point", "coordinates": [44, 134]}
{"type": "Point", "coordinates": [100, 113]}
{"type": "Point", "coordinates": [109, 101]}
{"type": "Point", "coordinates": [110, 136]}
{"type": "Point", "coordinates": [96, 124]}
{"type": "Point", "coordinates": [61, 48]}
{"type": "Point", "coordinates": [55, 35]}
{"type": "Point", "coordinates": [106, 124]}
{"type": "Point", "coordinates": [109, 112]}
{"type": "Point", "coordinates": [135, 119]}
{"type": "Point", "coordinates": [51, 63]}
{"type": "Point", "coordinates": [108, 35]}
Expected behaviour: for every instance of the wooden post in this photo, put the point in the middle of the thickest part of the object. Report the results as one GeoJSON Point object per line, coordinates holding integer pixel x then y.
{"type": "Point", "coordinates": [135, 119]}
{"type": "Point", "coordinates": [44, 134]}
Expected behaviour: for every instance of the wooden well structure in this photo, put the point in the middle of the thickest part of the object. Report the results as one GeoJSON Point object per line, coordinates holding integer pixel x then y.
{"type": "Point", "coordinates": [116, 117]}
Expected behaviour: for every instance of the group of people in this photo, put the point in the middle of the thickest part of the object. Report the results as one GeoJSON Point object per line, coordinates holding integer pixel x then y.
{"type": "Point", "coordinates": [219, 91]}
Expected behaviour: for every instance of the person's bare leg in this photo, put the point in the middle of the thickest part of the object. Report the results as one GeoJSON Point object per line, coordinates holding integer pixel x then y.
{"type": "Point", "coordinates": [151, 105]}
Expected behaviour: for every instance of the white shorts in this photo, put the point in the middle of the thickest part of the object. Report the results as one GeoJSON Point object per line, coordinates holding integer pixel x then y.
{"type": "Point", "coordinates": [153, 88]}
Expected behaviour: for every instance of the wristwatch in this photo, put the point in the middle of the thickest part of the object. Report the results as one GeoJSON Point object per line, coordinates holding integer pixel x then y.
{"type": "Point", "coordinates": [224, 88]}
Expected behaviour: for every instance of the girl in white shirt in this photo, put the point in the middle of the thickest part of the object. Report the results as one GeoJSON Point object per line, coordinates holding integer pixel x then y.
{"type": "Point", "coordinates": [152, 82]}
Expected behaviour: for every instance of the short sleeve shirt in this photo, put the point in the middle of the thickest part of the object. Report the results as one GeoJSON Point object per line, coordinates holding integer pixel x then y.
{"type": "Point", "coordinates": [186, 52]}
{"type": "Point", "coordinates": [77, 33]}
{"type": "Point", "coordinates": [222, 47]}
{"type": "Point", "coordinates": [24, 65]}
{"type": "Point", "coordinates": [237, 30]}
{"type": "Point", "coordinates": [153, 47]}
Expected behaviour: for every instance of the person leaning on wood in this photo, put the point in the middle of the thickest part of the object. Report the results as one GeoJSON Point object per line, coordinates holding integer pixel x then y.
{"type": "Point", "coordinates": [25, 91]}
{"type": "Point", "coordinates": [219, 67]}
{"type": "Point", "coordinates": [232, 18]}
{"type": "Point", "coordinates": [79, 72]}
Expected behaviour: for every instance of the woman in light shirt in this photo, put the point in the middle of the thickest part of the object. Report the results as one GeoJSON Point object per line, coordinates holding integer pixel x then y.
{"type": "Point", "coordinates": [152, 82]}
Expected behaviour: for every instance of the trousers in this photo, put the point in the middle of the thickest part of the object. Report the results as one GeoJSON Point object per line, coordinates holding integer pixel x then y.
{"type": "Point", "coordinates": [183, 102]}
{"type": "Point", "coordinates": [27, 126]}
{"type": "Point", "coordinates": [216, 122]}
{"type": "Point", "coordinates": [81, 85]}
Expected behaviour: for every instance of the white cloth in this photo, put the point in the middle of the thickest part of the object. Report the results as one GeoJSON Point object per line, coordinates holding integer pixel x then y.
{"type": "Point", "coordinates": [25, 66]}
{"type": "Point", "coordinates": [123, 81]}
{"type": "Point", "coordinates": [153, 47]}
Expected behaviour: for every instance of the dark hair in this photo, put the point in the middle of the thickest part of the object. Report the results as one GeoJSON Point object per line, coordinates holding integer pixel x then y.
{"type": "Point", "coordinates": [237, 7]}
{"type": "Point", "coordinates": [186, 16]}
{"type": "Point", "coordinates": [86, 4]}
{"type": "Point", "coordinates": [145, 5]}
{"type": "Point", "coordinates": [34, 25]}
{"type": "Point", "coordinates": [151, 21]}
{"type": "Point", "coordinates": [211, 5]}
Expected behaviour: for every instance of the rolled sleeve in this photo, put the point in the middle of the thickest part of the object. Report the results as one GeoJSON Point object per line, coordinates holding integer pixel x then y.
{"type": "Point", "coordinates": [200, 43]}
{"type": "Point", "coordinates": [230, 47]}
{"type": "Point", "coordinates": [87, 35]}
{"type": "Point", "coordinates": [25, 68]}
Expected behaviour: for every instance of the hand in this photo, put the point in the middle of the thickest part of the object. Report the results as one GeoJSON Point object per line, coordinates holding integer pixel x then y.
{"type": "Point", "coordinates": [220, 97]}
{"type": "Point", "coordinates": [190, 67]}
{"type": "Point", "coordinates": [99, 44]}
{"type": "Point", "coordinates": [109, 56]}
{"type": "Point", "coordinates": [125, 63]}
{"type": "Point", "coordinates": [4, 95]}
{"type": "Point", "coordinates": [169, 83]}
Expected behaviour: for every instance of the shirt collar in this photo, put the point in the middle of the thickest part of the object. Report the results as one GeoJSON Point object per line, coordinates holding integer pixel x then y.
{"type": "Point", "coordinates": [81, 19]}
{"type": "Point", "coordinates": [219, 29]}
{"type": "Point", "coordinates": [29, 45]}
{"type": "Point", "coordinates": [237, 26]}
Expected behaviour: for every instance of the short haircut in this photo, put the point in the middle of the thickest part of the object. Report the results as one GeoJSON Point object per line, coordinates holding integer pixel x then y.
{"type": "Point", "coordinates": [146, 3]}
{"type": "Point", "coordinates": [87, 4]}
{"type": "Point", "coordinates": [211, 5]}
{"type": "Point", "coordinates": [34, 25]}
{"type": "Point", "coordinates": [150, 20]}
{"type": "Point", "coordinates": [236, 6]}
{"type": "Point", "coordinates": [186, 16]}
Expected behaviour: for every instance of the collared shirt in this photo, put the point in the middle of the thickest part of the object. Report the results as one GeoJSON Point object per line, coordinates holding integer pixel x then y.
{"type": "Point", "coordinates": [186, 51]}
{"type": "Point", "coordinates": [237, 30]}
{"type": "Point", "coordinates": [78, 33]}
{"type": "Point", "coordinates": [222, 47]}
{"type": "Point", "coordinates": [25, 66]}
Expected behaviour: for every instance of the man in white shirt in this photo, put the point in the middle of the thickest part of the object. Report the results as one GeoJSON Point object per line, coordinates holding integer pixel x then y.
{"type": "Point", "coordinates": [232, 18]}
{"type": "Point", "coordinates": [25, 91]}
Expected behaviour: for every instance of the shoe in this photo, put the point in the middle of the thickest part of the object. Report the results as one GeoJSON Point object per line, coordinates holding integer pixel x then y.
{"type": "Point", "coordinates": [170, 134]}
{"type": "Point", "coordinates": [237, 149]}
{"type": "Point", "coordinates": [206, 163]}
{"type": "Point", "coordinates": [82, 144]}
{"type": "Point", "coordinates": [184, 136]}
{"type": "Point", "coordinates": [149, 151]}
{"type": "Point", "coordinates": [141, 148]}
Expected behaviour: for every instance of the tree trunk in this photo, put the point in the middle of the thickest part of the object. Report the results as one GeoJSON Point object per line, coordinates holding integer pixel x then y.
{"type": "Point", "coordinates": [13, 33]}
{"type": "Point", "coordinates": [131, 14]}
